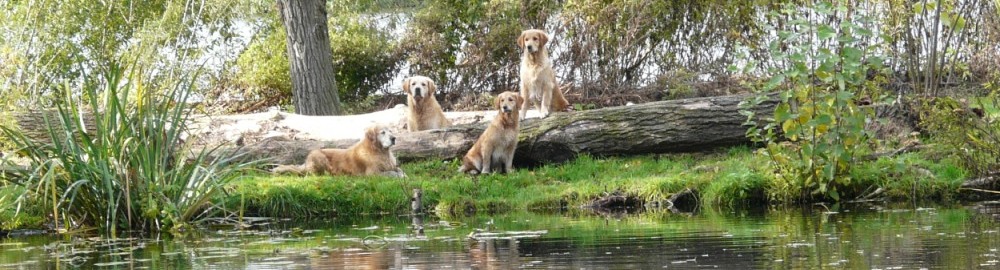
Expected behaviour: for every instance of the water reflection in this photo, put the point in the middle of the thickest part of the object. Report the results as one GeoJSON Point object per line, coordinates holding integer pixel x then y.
{"type": "Point", "coordinates": [855, 237]}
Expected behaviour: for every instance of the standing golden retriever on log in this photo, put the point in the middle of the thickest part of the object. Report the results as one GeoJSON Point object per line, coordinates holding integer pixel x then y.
{"type": "Point", "coordinates": [423, 111]}
{"type": "Point", "coordinates": [538, 79]}
{"type": "Point", "coordinates": [370, 156]}
{"type": "Point", "coordinates": [494, 150]}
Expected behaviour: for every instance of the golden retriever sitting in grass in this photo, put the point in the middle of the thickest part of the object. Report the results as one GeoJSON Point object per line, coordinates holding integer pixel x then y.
{"type": "Point", "coordinates": [423, 111]}
{"type": "Point", "coordinates": [370, 156]}
{"type": "Point", "coordinates": [494, 150]}
{"type": "Point", "coordinates": [538, 79]}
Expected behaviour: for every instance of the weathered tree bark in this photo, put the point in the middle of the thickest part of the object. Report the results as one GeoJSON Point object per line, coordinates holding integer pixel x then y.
{"type": "Point", "coordinates": [34, 124]}
{"type": "Point", "coordinates": [657, 127]}
{"type": "Point", "coordinates": [308, 43]}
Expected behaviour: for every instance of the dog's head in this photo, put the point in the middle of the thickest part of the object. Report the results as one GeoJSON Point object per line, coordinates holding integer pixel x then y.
{"type": "Point", "coordinates": [380, 135]}
{"type": "Point", "coordinates": [508, 102]}
{"type": "Point", "coordinates": [532, 40]}
{"type": "Point", "coordinates": [419, 87]}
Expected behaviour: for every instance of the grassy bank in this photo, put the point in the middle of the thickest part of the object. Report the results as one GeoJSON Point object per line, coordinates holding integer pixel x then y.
{"type": "Point", "coordinates": [731, 177]}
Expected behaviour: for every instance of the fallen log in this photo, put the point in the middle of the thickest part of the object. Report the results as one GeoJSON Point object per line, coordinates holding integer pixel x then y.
{"type": "Point", "coordinates": [657, 127]}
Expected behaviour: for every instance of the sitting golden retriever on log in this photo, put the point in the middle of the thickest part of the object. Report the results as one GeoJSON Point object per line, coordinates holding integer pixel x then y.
{"type": "Point", "coordinates": [538, 79]}
{"type": "Point", "coordinates": [370, 156]}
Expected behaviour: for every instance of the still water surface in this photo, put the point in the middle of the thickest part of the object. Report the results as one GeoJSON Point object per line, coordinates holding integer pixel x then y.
{"type": "Point", "coordinates": [855, 237]}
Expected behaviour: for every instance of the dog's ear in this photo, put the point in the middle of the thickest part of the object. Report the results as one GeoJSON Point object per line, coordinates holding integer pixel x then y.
{"type": "Point", "coordinates": [497, 101]}
{"type": "Point", "coordinates": [432, 86]}
{"type": "Point", "coordinates": [520, 40]}
{"type": "Point", "coordinates": [520, 101]}
{"type": "Point", "coordinates": [371, 134]}
{"type": "Point", "coordinates": [543, 39]}
{"type": "Point", "coordinates": [406, 86]}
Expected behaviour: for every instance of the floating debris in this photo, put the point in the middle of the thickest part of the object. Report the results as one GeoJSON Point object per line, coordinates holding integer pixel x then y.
{"type": "Point", "coordinates": [479, 236]}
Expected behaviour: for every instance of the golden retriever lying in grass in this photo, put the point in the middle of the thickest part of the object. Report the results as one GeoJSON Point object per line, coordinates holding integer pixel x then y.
{"type": "Point", "coordinates": [494, 150]}
{"type": "Point", "coordinates": [423, 111]}
{"type": "Point", "coordinates": [370, 156]}
{"type": "Point", "coordinates": [538, 79]}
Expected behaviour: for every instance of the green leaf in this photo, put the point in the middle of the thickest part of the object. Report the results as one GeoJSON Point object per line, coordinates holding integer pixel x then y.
{"type": "Point", "coordinates": [782, 112]}
{"type": "Point", "coordinates": [852, 54]}
{"type": "Point", "coordinates": [774, 82]}
{"type": "Point", "coordinates": [960, 22]}
{"type": "Point", "coordinates": [823, 119]}
{"type": "Point", "coordinates": [826, 32]}
{"type": "Point", "coordinates": [791, 129]}
{"type": "Point", "coordinates": [844, 95]}
{"type": "Point", "coordinates": [834, 195]}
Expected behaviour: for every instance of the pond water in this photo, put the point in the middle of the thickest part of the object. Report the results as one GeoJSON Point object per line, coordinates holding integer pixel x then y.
{"type": "Point", "coordinates": [859, 236]}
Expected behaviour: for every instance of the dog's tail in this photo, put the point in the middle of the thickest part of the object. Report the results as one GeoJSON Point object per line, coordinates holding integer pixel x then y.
{"type": "Point", "coordinates": [468, 166]}
{"type": "Point", "coordinates": [295, 169]}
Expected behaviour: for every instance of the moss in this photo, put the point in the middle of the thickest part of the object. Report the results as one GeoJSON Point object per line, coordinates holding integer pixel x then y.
{"type": "Point", "coordinates": [729, 178]}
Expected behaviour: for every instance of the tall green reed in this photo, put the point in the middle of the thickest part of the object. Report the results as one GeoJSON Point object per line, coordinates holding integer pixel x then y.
{"type": "Point", "coordinates": [133, 171]}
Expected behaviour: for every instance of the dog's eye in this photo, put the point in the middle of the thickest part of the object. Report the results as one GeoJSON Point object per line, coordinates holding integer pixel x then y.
{"type": "Point", "coordinates": [534, 38]}
{"type": "Point", "coordinates": [422, 84]}
{"type": "Point", "coordinates": [510, 99]}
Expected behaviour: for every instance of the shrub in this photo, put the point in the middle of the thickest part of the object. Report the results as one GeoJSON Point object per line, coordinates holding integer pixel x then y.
{"type": "Point", "coordinates": [960, 131]}
{"type": "Point", "coordinates": [817, 129]}
{"type": "Point", "coordinates": [134, 171]}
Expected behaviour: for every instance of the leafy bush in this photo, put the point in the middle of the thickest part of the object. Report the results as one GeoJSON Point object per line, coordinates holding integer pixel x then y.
{"type": "Point", "coordinates": [960, 131]}
{"type": "Point", "coordinates": [817, 128]}
{"type": "Point", "coordinates": [365, 59]}
{"type": "Point", "coordinates": [133, 172]}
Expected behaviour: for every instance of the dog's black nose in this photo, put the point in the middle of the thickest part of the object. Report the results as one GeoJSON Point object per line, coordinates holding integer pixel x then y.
{"type": "Point", "coordinates": [416, 92]}
{"type": "Point", "coordinates": [529, 47]}
{"type": "Point", "coordinates": [392, 140]}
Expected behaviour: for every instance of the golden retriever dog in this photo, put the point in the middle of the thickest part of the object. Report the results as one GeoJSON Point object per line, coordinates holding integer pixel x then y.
{"type": "Point", "coordinates": [494, 150]}
{"type": "Point", "coordinates": [538, 79]}
{"type": "Point", "coordinates": [370, 156]}
{"type": "Point", "coordinates": [423, 110]}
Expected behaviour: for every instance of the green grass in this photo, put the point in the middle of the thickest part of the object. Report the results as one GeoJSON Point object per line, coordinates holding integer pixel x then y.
{"type": "Point", "coordinates": [729, 178]}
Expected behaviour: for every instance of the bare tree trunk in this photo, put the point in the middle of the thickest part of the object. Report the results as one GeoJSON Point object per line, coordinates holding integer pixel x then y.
{"type": "Point", "coordinates": [313, 84]}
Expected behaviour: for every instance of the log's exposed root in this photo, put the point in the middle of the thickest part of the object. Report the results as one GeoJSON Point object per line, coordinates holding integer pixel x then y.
{"type": "Point", "coordinates": [989, 181]}
{"type": "Point", "coordinates": [615, 200]}
{"type": "Point", "coordinates": [982, 188]}
{"type": "Point", "coordinates": [685, 201]}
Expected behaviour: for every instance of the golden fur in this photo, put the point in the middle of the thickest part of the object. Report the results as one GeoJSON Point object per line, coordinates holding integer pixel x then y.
{"type": "Point", "coordinates": [423, 111]}
{"type": "Point", "coordinates": [370, 156]}
{"type": "Point", "coordinates": [494, 150]}
{"type": "Point", "coordinates": [538, 79]}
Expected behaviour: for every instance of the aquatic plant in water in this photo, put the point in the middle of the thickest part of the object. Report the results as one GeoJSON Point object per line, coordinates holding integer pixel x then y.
{"type": "Point", "coordinates": [131, 169]}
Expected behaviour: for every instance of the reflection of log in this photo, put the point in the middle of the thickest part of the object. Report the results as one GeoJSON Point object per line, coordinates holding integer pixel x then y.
{"type": "Point", "coordinates": [657, 127]}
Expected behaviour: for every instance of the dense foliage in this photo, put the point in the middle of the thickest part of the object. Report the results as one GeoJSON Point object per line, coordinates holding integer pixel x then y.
{"type": "Point", "coordinates": [818, 129]}
{"type": "Point", "coordinates": [132, 172]}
